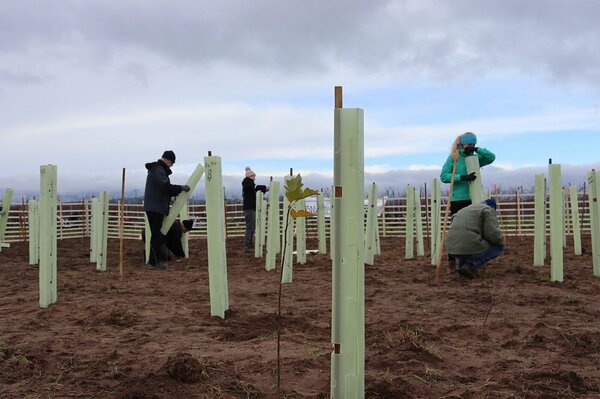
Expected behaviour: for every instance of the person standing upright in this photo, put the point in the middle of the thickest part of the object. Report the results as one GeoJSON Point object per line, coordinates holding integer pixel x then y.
{"type": "Point", "coordinates": [157, 199]}
{"type": "Point", "coordinates": [249, 189]}
{"type": "Point", "coordinates": [463, 147]}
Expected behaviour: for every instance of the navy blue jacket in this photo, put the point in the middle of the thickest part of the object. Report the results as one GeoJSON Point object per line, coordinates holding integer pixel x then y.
{"type": "Point", "coordinates": [159, 190]}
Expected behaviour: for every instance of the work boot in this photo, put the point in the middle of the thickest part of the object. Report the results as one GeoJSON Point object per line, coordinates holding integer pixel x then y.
{"type": "Point", "coordinates": [467, 270]}
{"type": "Point", "coordinates": [452, 266]}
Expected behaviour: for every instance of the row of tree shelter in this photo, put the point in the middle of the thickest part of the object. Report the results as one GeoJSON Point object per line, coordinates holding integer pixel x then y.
{"type": "Point", "coordinates": [352, 244]}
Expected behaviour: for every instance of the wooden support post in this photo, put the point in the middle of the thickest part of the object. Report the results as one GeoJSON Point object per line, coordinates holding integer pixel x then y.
{"type": "Point", "coordinates": [122, 225]}
{"type": "Point", "coordinates": [556, 223]}
{"type": "Point", "coordinates": [348, 310]}
{"type": "Point", "coordinates": [48, 247]}
{"type": "Point", "coordinates": [217, 252]}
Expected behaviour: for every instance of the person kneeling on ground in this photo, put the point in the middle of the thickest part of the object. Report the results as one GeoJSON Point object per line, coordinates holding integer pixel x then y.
{"type": "Point", "coordinates": [475, 237]}
{"type": "Point", "coordinates": [173, 238]}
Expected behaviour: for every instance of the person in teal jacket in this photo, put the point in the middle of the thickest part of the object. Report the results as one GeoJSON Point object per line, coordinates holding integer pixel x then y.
{"type": "Point", "coordinates": [463, 147]}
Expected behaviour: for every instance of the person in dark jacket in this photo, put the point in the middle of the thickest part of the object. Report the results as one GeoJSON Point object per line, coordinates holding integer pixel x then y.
{"type": "Point", "coordinates": [475, 237]}
{"type": "Point", "coordinates": [463, 147]}
{"type": "Point", "coordinates": [249, 189]}
{"type": "Point", "coordinates": [157, 199]}
{"type": "Point", "coordinates": [173, 238]}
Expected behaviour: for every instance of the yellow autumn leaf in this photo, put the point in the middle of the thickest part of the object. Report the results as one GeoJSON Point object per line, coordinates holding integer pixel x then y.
{"type": "Point", "coordinates": [301, 213]}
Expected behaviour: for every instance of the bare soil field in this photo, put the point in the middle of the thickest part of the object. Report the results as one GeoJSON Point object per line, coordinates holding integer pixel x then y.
{"type": "Point", "coordinates": [508, 333]}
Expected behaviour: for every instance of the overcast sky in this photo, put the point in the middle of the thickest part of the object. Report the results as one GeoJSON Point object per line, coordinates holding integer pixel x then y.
{"type": "Point", "coordinates": [95, 86]}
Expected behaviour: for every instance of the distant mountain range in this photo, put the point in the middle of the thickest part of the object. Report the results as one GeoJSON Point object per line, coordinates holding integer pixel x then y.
{"type": "Point", "coordinates": [391, 183]}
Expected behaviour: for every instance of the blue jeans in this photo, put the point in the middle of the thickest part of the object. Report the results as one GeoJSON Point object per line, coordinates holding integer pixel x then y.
{"type": "Point", "coordinates": [482, 257]}
{"type": "Point", "coordinates": [250, 218]}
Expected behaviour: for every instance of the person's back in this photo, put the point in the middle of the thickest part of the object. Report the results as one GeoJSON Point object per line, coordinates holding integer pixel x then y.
{"type": "Point", "coordinates": [474, 235]}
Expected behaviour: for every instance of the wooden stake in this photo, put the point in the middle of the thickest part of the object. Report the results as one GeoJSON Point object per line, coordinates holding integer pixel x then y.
{"type": "Point", "coordinates": [121, 225]}
{"type": "Point", "coordinates": [338, 97]}
{"type": "Point", "coordinates": [441, 244]}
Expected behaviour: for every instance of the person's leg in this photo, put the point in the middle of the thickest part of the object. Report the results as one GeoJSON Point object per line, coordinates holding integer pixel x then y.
{"type": "Point", "coordinates": [482, 257]}
{"type": "Point", "coordinates": [156, 241]}
{"type": "Point", "coordinates": [250, 219]}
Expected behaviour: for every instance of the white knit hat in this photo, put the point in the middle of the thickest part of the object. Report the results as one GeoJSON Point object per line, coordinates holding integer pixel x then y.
{"type": "Point", "coordinates": [250, 173]}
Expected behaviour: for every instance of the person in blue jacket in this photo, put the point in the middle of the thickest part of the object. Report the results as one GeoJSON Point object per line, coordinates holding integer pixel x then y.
{"type": "Point", "coordinates": [463, 147]}
{"type": "Point", "coordinates": [157, 199]}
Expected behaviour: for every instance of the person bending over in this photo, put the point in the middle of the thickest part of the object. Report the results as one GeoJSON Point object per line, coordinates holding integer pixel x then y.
{"type": "Point", "coordinates": [474, 237]}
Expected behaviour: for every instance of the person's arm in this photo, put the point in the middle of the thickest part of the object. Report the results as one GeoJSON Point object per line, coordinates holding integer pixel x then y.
{"type": "Point", "coordinates": [260, 187]}
{"type": "Point", "coordinates": [159, 175]}
{"type": "Point", "coordinates": [486, 157]}
{"type": "Point", "coordinates": [446, 174]}
{"type": "Point", "coordinates": [491, 228]}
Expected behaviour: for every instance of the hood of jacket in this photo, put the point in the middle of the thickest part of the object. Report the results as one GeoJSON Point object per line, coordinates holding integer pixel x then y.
{"type": "Point", "coordinates": [160, 162]}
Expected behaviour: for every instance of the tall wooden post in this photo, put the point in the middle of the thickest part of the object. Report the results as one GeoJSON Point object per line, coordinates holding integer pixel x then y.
{"type": "Point", "coordinates": [348, 311]}
{"type": "Point", "coordinates": [122, 225]}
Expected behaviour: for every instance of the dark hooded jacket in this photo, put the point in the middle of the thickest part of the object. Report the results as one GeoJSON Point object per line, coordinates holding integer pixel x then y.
{"type": "Point", "coordinates": [159, 190]}
{"type": "Point", "coordinates": [249, 189]}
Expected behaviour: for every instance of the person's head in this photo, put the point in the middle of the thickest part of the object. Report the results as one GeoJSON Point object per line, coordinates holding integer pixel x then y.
{"type": "Point", "coordinates": [187, 224]}
{"type": "Point", "coordinates": [168, 157]}
{"type": "Point", "coordinates": [250, 173]}
{"type": "Point", "coordinates": [491, 203]}
{"type": "Point", "coordinates": [465, 143]}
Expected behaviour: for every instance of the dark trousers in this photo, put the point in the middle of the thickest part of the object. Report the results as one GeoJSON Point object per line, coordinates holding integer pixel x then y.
{"type": "Point", "coordinates": [250, 218]}
{"type": "Point", "coordinates": [456, 206]}
{"type": "Point", "coordinates": [158, 248]}
{"type": "Point", "coordinates": [480, 258]}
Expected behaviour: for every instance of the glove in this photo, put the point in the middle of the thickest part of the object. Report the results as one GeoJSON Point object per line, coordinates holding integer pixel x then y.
{"type": "Point", "coordinates": [470, 177]}
{"type": "Point", "coordinates": [185, 188]}
{"type": "Point", "coordinates": [469, 150]}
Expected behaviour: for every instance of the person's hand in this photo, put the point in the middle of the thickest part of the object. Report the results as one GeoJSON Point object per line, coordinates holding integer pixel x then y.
{"type": "Point", "coordinates": [185, 188]}
{"type": "Point", "coordinates": [470, 177]}
{"type": "Point", "coordinates": [470, 149]}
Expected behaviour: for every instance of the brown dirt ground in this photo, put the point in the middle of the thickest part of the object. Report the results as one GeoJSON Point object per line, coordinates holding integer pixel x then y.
{"type": "Point", "coordinates": [509, 333]}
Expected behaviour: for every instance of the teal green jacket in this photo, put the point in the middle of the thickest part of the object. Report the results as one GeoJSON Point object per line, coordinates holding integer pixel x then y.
{"type": "Point", "coordinates": [460, 191]}
{"type": "Point", "coordinates": [473, 230]}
